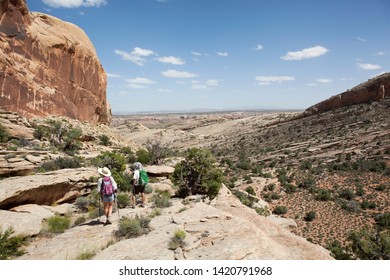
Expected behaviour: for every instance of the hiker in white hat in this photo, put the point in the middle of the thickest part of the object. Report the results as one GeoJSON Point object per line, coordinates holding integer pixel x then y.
{"type": "Point", "coordinates": [107, 187]}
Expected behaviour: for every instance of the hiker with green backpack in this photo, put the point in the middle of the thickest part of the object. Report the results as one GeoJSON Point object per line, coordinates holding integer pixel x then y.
{"type": "Point", "coordinates": [140, 180]}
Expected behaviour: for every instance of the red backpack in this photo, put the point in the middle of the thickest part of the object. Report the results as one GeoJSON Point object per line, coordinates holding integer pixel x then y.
{"type": "Point", "coordinates": [107, 187]}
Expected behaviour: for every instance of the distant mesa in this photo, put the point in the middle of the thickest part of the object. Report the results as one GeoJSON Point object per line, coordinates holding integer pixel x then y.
{"type": "Point", "coordinates": [49, 67]}
{"type": "Point", "coordinates": [375, 89]}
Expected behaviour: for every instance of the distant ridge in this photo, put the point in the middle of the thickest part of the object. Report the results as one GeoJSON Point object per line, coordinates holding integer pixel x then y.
{"type": "Point", "coordinates": [373, 90]}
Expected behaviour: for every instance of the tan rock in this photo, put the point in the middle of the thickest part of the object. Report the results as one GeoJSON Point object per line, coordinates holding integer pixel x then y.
{"type": "Point", "coordinates": [47, 188]}
{"type": "Point", "coordinates": [22, 222]}
{"type": "Point", "coordinates": [49, 67]}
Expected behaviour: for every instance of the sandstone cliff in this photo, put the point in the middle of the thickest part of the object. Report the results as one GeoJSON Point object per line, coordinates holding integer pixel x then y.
{"type": "Point", "coordinates": [373, 90]}
{"type": "Point", "coordinates": [49, 67]}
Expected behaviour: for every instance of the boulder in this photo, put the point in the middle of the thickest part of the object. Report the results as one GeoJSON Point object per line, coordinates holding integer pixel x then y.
{"type": "Point", "coordinates": [23, 223]}
{"type": "Point", "coordinates": [46, 189]}
{"type": "Point", "coordinates": [159, 170]}
{"type": "Point", "coordinates": [49, 67]}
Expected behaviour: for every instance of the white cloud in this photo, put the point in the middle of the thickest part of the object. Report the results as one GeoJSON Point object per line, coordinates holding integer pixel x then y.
{"type": "Point", "coordinates": [178, 74]}
{"type": "Point", "coordinates": [136, 56]}
{"type": "Point", "coordinates": [311, 84]}
{"type": "Point", "coordinates": [222, 53]}
{"type": "Point", "coordinates": [266, 80]}
{"type": "Point", "coordinates": [380, 53]}
{"type": "Point", "coordinates": [136, 86]}
{"type": "Point", "coordinates": [212, 82]}
{"type": "Point", "coordinates": [74, 3]}
{"type": "Point", "coordinates": [368, 66]}
{"type": "Point", "coordinates": [196, 53]}
{"type": "Point", "coordinates": [361, 39]}
{"type": "Point", "coordinates": [139, 80]}
{"type": "Point", "coordinates": [164, 90]}
{"type": "Point", "coordinates": [324, 81]}
{"type": "Point", "coordinates": [142, 52]}
{"type": "Point", "coordinates": [258, 48]}
{"type": "Point", "coordinates": [171, 60]}
{"type": "Point", "coordinates": [305, 53]}
{"type": "Point", "coordinates": [113, 75]}
{"type": "Point", "coordinates": [207, 85]}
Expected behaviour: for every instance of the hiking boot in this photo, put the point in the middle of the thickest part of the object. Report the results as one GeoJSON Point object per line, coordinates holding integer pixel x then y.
{"type": "Point", "coordinates": [108, 222]}
{"type": "Point", "coordinates": [132, 206]}
{"type": "Point", "coordinates": [142, 205]}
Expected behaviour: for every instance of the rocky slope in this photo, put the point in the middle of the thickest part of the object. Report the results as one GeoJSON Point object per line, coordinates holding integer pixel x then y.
{"type": "Point", "coordinates": [49, 67]}
{"type": "Point", "coordinates": [222, 230]}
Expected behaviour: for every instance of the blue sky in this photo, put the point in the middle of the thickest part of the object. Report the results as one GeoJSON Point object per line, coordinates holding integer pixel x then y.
{"type": "Point", "coordinates": [180, 55]}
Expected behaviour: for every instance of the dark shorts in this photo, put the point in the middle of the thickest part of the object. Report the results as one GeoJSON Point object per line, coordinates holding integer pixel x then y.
{"type": "Point", "coordinates": [138, 189]}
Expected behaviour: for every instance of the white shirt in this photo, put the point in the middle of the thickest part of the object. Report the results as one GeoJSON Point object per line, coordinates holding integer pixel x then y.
{"type": "Point", "coordinates": [136, 177]}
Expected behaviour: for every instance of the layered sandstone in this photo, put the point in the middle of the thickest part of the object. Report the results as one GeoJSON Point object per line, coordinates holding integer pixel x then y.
{"type": "Point", "coordinates": [49, 67]}
{"type": "Point", "coordinates": [375, 89]}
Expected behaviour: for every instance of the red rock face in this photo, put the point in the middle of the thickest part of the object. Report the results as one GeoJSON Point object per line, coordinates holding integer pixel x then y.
{"type": "Point", "coordinates": [49, 67]}
{"type": "Point", "coordinates": [374, 90]}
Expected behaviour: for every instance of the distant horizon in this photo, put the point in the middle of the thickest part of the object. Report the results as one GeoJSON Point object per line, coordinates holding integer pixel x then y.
{"type": "Point", "coordinates": [206, 111]}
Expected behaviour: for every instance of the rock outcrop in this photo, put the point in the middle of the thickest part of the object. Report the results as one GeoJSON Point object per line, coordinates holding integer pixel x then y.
{"type": "Point", "coordinates": [47, 188]}
{"type": "Point", "coordinates": [49, 67]}
{"type": "Point", "coordinates": [374, 90]}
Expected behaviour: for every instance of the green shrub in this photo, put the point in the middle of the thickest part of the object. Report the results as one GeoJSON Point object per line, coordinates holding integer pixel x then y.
{"type": "Point", "coordinates": [323, 195]}
{"type": "Point", "coordinates": [132, 227]}
{"type": "Point", "coordinates": [177, 240]}
{"type": "Point", "coordinates": [289, 188]}
{"type": "Point", "coordinates": [368, 205]}
{"type": "Point", "coordinates": [4, 134]}
{"type": "Point", "coordinates": [337, 250]}
{"type": "Point", "coordinates": [310, 216]}
{"type": "Point", "coordinates": [250, 190]}
{"type": "Point", "coordinates": [129, 154]}
{"type": "Point", "coordinates": [262, 211]}
{"type": "Point", "coordinates": [82, 202]}
{"type": "Point", "coordinates": [105, 140]}
{"type": "Point", "coordinates": [162, 199]}
{"type": "Point", "coordinates": [197, 174]}
{"type": "Point", "coordinates": [112, 160]}
{"type": "Point", "coordinates": [346, 194]}
{"type": "Point", "coordinates": [58, 224]}
{"type": "Point", "coordinates": [280, 210]}
{"type": "Point", "coordinates": [307, 183]}
{"type": "Point", "coordinates": [123, 200]}
{"type": "Point", "coordinates": [143, 156]}
{"type": "Point", "coordinates": [86, 256]}
{"type": "Point", "coordinates": [60, 163]}
{"type": "Point", "coordinates": [80, 220]}
{"type": "Point", "coordinates": [10, 245]}
{"type": "Point", "coordinates": [41, 131]}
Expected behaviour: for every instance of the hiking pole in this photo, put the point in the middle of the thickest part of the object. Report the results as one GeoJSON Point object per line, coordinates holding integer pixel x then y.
{"type": "Point", "coordinates": [99, 206]}
{"type": "Point", "coordinates": [117, 205]}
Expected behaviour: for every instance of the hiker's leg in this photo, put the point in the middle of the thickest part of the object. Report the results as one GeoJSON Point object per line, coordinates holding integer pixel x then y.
{"type": "Point", "coordinates": [110, 206]}
{"type": "Point", "coordinates": [143, 198]}
{"type": "Point", "coordinates": [106, 208]}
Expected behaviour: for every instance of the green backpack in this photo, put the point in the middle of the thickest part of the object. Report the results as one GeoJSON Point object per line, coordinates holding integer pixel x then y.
{"type": "Point", "coordinates": [143, 178]}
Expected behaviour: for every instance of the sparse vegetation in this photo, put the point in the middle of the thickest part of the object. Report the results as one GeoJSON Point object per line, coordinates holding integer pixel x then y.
{"type": "Point", "coordinates": [177, 240]}
{"type": "Point", "coordinates": [10, 244]}
{"type": "Point", "coordinates": [60, 163]}
{"type": "Point", "coordinates": [133, 227]}
{"type": "Point", "coordinates": [162, 199]}
{"type": "Point", "coordinates": [58, 224]}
